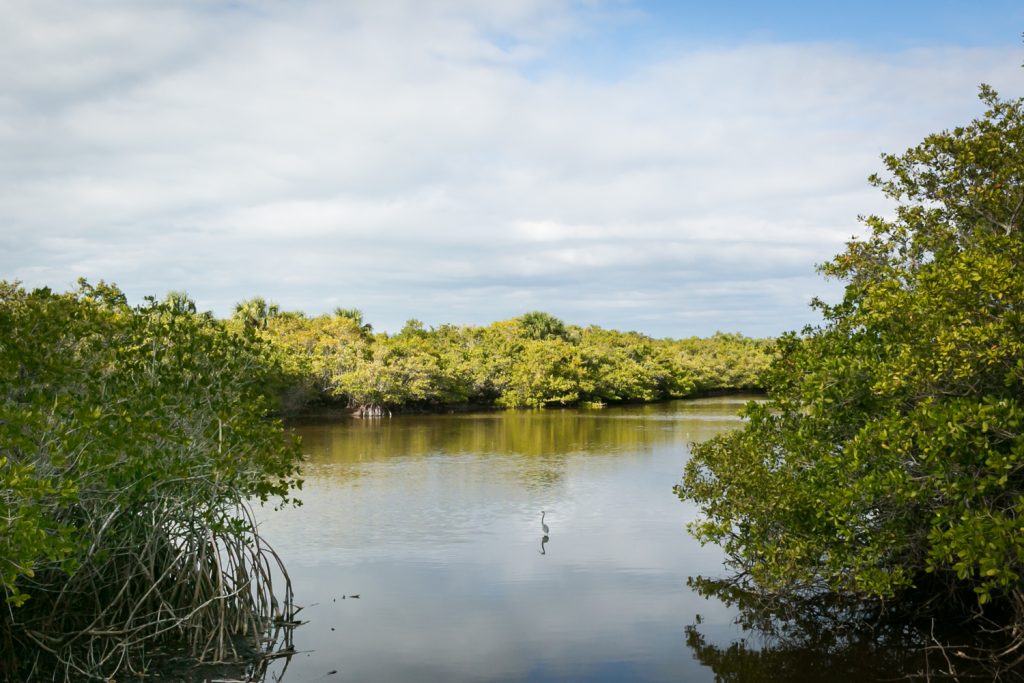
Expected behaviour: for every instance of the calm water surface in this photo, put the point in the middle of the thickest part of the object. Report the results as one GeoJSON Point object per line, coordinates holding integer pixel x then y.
{"type": "Point", "coordinates": [434, 522]}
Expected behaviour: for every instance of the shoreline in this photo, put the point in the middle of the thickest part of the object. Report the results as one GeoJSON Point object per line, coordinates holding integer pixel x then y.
{"type": "Point", "coordinates": [333, 413]}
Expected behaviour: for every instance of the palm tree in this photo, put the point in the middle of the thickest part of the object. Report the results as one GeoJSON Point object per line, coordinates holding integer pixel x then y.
{"type": "Point", "coordinates": [255, 312]}
{"type": "Point", "coordinates": [356, 316]}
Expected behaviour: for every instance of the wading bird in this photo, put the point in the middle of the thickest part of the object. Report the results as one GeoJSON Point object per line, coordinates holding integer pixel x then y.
{"type": "Point", "coordinates": [542, 524]}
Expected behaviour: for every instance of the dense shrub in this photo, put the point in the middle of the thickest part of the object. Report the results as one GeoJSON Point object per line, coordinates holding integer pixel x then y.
{"type": "Point", "coordinates": [889, 461]}
{"type": "Point", "coordinates": [131, 440]}
{"type": "Point", "coordinates": [532, 361]}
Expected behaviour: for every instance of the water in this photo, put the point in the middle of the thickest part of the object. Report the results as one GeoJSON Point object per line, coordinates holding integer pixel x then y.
{"type": "Point", "coordinates": [434, 522]}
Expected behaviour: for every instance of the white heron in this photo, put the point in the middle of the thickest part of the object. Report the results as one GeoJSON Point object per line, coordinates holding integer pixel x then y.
{"type": "Point", "coordinates": [542, 524]}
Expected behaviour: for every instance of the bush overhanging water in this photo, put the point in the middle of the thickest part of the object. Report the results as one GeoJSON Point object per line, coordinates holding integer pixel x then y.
{"type": "Point", "coordinates": [131, 442]}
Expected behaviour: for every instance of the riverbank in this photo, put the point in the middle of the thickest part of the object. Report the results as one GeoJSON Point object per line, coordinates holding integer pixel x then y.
{"type": "Point", "coordinates": [320, 413]}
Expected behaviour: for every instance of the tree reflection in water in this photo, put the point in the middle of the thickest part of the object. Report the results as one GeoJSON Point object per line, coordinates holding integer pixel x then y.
{"type": "Point", "coordinates": [817, 638]}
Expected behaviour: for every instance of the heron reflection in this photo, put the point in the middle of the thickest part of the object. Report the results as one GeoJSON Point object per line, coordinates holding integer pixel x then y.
{"type": "Point", "coordinates": [542, 542]}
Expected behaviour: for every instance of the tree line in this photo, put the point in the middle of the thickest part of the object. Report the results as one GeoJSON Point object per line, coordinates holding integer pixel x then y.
{"type": "Point", "coordinates": [532, 361]}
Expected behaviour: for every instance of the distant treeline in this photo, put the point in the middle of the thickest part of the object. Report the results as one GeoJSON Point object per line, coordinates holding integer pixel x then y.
{"type": "Point", "coordinates": [534, 360]}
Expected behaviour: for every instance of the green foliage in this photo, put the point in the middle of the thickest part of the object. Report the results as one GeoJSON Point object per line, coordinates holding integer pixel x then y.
{"type": "Point", "coordinates": [179, 302]}
{"type": "Point", "coordinates": [890, 455]}
{"type": "Point", "coordinates": [109, 415]}
{"type": "Point", "coordinates": [547, 371]}
{"type": "Point", "coordinates": [256, 312]}
{"type": "Point", "coordinates": [396, 371]}
{"type": "Point", "coordinates": [540, 326]}
{"type": "Point", "coordinates": [630, 367]}
{"type": "Point", "coordinates": [532, 361]}
{"type": "Point", "coordinates": [356, 316]}
{"type": "Point", "coordinates": [312, 353]}
{"type": "Point", "coordinates": [723, 360]}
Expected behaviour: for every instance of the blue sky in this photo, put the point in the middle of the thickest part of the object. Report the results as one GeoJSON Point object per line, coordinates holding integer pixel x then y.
{"type": "Point", "coordinates": [674, 168]}
{"type": "Point", "coordinates": [877, 24]}
{"type": "Point", "coordinates": [626, 35]}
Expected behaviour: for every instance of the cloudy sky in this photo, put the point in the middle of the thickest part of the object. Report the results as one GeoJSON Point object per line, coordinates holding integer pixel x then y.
{"type": "Point", "coordinates": [671, 167]}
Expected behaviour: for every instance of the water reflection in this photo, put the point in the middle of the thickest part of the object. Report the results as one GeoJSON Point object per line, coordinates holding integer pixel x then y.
{"type": "Point", "coordinates": [539, 434]}
{"type": "Point", "coordinates": [842, 638]}
{"type": "Point", "coordinates": [433, 521]}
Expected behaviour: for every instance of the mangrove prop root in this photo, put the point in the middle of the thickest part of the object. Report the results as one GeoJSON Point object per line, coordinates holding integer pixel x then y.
{"type": "Point", "coordinates": [161, 582]}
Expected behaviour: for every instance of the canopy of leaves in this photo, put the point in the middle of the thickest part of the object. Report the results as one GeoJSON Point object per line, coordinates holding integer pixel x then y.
{"type": "Point", "coordinates": [531, 361]}
{"type": "Point", "coordinates": [120, 428]}
{"type": "Point", "coordinates": [890, 454]}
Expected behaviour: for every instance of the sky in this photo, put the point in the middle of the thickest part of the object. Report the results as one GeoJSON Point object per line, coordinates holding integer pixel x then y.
{"type": "Point", "coordinates": [674, 168]}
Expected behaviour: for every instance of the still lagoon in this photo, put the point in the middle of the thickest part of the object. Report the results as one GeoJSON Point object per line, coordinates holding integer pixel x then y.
{"type": "Point", "coordinates": [434, 522]}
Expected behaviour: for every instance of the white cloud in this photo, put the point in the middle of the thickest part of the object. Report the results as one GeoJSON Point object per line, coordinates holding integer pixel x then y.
{"type": "Point", "coordinates": [415, 160]}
